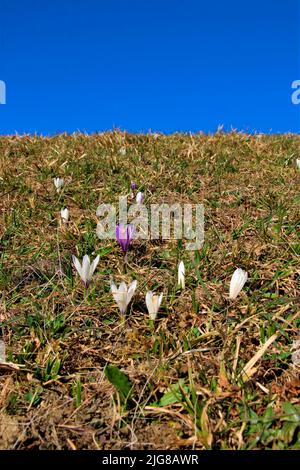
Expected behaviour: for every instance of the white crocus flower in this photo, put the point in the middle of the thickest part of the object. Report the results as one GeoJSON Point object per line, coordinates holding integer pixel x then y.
{"type": "Point", "coordinates": [122, 295]}
{"type": "Point", "coordinates": [64, 213]}
{"type": "Point", "coordinates": [86, 270]}
{"type": "Point", "coordinates": [58, 183]}
{"type": "Point", "coordinates": [139, 197]}
{"type": "Point", "coordinates": [237, 283]}
{"type": "Point", "coordinates": [122, 151]}
{"type": "Point", "coordinates": [153, 303]}
{"type": "Point", "coordinates": [181, 275]}
{"type": "Point", "coordinates": [298, 163]}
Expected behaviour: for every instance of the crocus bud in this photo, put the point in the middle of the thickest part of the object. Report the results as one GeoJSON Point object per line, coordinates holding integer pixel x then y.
{"type": "Point", "coordinates": [298, 163]}
{"type": "Point", "coordinates": [237, 283]}
{"type": "Point", "coordinates": [124, 235]}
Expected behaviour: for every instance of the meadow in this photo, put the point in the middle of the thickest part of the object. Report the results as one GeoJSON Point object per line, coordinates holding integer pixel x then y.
{"type": "Point", "coordinates": [209, 372]}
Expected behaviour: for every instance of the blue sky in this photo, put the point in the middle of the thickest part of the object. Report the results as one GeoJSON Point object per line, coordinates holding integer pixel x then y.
{"type": "Point", "coordinates": [164, 65]}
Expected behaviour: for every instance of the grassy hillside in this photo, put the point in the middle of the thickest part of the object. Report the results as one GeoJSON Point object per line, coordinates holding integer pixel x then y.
{"type": "Point", "coordinates": [192, 385]}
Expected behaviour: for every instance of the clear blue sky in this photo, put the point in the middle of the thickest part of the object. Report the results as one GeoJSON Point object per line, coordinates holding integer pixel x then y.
{"type": "Point", "coordinates": [165, 65]}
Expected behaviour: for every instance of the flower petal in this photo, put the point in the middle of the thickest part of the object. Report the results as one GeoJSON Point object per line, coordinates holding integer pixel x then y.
{"type": "Point", "coordinates": [160, 300]}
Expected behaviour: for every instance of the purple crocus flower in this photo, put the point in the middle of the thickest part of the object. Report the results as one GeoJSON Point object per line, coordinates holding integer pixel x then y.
{"type": "Point", "coordinates": [124, 235]}
{"type": "Point", "coordinates": [133, 186]}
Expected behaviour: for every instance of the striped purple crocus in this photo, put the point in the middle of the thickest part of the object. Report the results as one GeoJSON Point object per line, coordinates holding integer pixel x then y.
{"type": "Point", "coordinates": [124, 235]}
